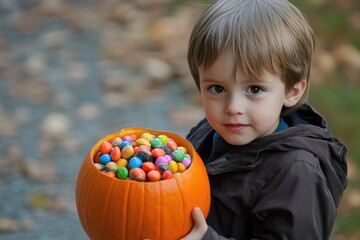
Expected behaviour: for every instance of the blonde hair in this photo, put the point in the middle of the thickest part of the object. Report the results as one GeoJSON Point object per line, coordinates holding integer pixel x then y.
{"type": "Point", "coordinates": [264, 35]}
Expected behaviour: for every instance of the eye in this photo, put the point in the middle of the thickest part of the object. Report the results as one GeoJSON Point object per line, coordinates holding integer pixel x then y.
{"type": "Point", "coordinates": [254, 90]}
{"type": "Point", "coordinates": [216, 89]}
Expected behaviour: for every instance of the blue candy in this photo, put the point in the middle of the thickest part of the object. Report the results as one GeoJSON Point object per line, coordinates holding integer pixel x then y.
{"type": "Point", "coordinates": [105, 158]}
{"type": "Point", "coordinates": [135, 162]}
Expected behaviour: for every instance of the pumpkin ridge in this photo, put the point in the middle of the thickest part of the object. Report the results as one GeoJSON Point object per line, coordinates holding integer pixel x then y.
{"type": "Point", "coordinates": [125, 233]}
{"type": "Point", "coordinates": [182, 201]}
{"type": "Point", "coordinates": [106, 203]}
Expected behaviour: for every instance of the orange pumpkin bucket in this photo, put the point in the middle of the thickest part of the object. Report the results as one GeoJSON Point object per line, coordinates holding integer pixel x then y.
{"type": "Point", "coordinates": [112, 208]}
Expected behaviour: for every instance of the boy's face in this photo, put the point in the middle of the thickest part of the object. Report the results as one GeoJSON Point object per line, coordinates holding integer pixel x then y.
{"type": "Point", "coordinates": [239, 109]}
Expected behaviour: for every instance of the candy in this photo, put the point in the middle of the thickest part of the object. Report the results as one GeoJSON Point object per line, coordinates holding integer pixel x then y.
{"type": "Point", "coordinates": [186, 162]}
{"type": "Point", "coordinates": [105, 147]}
{"type": "Point", "coordinates": [167, 175]}
{"type": "Point", "coordinates": [116, 141]}
{"type": "Point", "coordinates": [122, 163]}
{"type": "Point", "coordinates": [125, 143]}
{"type": "Point", "coordinates": [142, 141]}
{"type": "Point", "coordinates": [163, 138]}
{"type": "Point", "coordinates": [157, 152]}
{"type": "Point", "coordinates": [115, 154]}
{"type": "Point", "coordinates": [147, 136]}
{"type": "Point", "coordinates": [105, 158]}
{"type": "Point", "coordinates": [127, 138]}
{"type": "Point", "coordinates": [156, 142]}
{"type": "Point", "coordinates": [145, 158]}
{"type": "Point", "coordinates": [172, 144]}
{"type": "Point", "coordinates": [173, 166]}
{"type": "Point", "coordinates": [162, 167]}
{"type": "Point", "coordinates": [99, 166]}
{"type": "Point", "coordinates": [127, 152]}
{"type": "Point", "coordinates": [135, 162]}
{"type": "Point", "coordinates": [154, 175]}
{"type": "Point", "coordinates": [111, 166]}
{"type": "Point", "coordinates": [137, 174]}
{"type": "Point", "coordinates": [122, 173]}
{"type": "Point", "coordinates": [148, 166]}
{"type": "Point", "coordinates": [178, 155]}
{"type": "Point", "coordinates": [110, 174]}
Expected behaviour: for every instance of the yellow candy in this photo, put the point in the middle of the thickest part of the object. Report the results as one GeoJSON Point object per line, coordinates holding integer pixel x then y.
{"type": "Point", "coordinates": [122, 163]}
{"type": "Point", "coordinates": [142, 141]}
{"type": "Point", "coordinates": [127, 152]}
{"type": "Point", "coordinates": [181, 167]}
{"type": "Point", "coordinates": [147, 136]}
{"type": "Point", "coordinates": [182, 149]}
{"type": "Point", "coordinates": [173, 166]}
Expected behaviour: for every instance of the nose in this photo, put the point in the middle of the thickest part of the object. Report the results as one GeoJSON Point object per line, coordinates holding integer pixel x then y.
{"type": "Point", "coordinates": [235, 104]}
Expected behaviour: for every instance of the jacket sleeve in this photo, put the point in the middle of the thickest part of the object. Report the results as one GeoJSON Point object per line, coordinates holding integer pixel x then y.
{"type": "Point", "coordinates": [294, 204]}
{"type": "Point", "coordinates": [211, 234]}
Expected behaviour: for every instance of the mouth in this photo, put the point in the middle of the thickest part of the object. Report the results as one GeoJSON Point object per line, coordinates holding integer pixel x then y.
{"type": "Point", "coordinates": [236, 126]}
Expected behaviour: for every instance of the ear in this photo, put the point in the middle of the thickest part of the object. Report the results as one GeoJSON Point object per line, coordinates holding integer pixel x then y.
{"type": "Point", "coordinates": [295, 93]}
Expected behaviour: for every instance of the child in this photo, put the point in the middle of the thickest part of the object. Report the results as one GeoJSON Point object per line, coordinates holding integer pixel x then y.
{"type": "Point", "coordinates": [275, 170]}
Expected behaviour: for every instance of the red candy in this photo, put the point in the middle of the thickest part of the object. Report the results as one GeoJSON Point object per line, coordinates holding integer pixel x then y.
{"type": "Point", "coordinates": [167, 175]}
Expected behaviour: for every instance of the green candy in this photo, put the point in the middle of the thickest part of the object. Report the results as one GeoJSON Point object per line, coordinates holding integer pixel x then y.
{"type": "Point", "coordinates": [163, 138]}
{"type": "Point", "coordinates": [122, 173]}
{"type": "Point", "coordinates": [156, 142]}
{"type": "Point", "coordinates": [178, 155]}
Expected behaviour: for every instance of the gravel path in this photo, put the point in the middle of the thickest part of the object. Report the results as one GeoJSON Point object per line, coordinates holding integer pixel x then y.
{"type": "Point", "coordinates": [55, 103]}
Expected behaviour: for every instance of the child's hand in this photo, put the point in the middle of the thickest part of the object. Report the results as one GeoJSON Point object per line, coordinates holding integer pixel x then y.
{"type": "Point", "coordinates": [200, 226]}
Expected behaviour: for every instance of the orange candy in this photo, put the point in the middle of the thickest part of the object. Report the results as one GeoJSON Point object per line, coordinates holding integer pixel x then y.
{"type": "Point", "coordinates": [105, 147]}
{"type": "Point", "coordinates": [157, 152]}
{"type": "Point", "coordinates": [154, 175]}
{"type": "Point", "coordinates": [137, 174]}
{"type": "Point", "coordinates": [148, 166]}
{"type": "Point", "coordinates": [110, 174]}
{"type": "Point", "coordinates": [115, 154]}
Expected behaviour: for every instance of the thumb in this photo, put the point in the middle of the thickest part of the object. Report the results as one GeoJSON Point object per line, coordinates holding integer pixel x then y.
{"type": "Point", "coordinates": [199, 219]}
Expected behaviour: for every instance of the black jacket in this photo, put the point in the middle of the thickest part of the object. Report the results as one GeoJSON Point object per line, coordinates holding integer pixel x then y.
{"type": "Point", "coordinates": [283, 186]}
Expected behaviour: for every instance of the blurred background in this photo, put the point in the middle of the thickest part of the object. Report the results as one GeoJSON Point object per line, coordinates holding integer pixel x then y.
{"type": "Point", "coordinates": [73, 71]}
